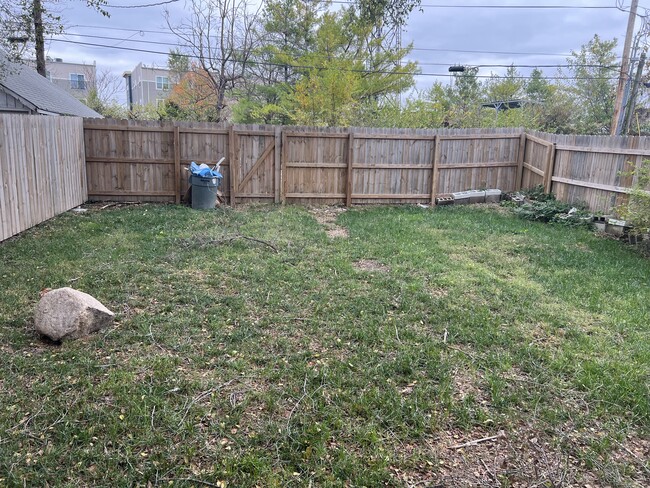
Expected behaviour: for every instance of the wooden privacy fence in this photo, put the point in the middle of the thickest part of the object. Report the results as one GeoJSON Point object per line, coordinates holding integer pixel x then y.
{"type": "Point", "coordinates": [146, 161]}
{"type": "Point", "coordinates": [584, 169]}
{"type": "Point", "coordinates": [42, 169]}
{"type": "Point", "coordinates": [372, 166]}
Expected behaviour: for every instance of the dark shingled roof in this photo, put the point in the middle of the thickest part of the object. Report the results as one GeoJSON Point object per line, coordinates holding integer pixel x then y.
{"type": "Point", "coordinates": [31, 88]}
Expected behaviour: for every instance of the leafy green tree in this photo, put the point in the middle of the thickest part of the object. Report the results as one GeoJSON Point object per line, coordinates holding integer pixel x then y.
{"type": "Point", "coordinates": [343, 75]}
{"type": "Point", "coordinates": [178, 64]}
{"type": "Point", "coordinates": [288, 31]}
{"type": "Point", "coordinates": [335, 80]}
{"type": "Point", "coordinates": [508, 87]}
{"type": "Point", "coordinates": [538, 89]}
{"type": "Point", "coordinates": [593, 86]}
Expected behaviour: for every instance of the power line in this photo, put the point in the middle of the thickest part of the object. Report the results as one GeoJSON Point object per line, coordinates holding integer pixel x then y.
{"type": "Point", "coordinates": [141, 6]}
{"type": "Point", "coordinates": [510, 53]}
{"type": "Point", "coordinates": [514, 7]}
{"type": "Point", "coordinates": [350, 70]}
{"type": "Point", "coordinates": [423, 63]}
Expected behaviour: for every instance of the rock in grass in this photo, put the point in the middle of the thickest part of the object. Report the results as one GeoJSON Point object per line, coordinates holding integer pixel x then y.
{"type": "Point", "coordinates": [66, 313]}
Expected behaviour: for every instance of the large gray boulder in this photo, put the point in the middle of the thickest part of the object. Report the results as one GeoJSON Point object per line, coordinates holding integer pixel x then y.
{"type": "Point", "coordinates": [66, 313]}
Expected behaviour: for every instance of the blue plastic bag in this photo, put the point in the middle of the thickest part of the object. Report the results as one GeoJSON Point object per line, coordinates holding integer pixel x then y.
{"type": "Point", "coordinates": [204, 171]}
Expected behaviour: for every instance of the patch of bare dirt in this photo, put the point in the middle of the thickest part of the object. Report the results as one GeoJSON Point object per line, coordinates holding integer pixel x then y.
{"type": "Point", "coordinates": [466, 384]}
{"type": "Point", "coordinates": [481, 458]}
{"type": "Point", "coordinates": [438, 292]}
{"type": "Point", "coordinates": [337, 232]}
{"type": "Point", "coordinates": [371, 266]}
{"type": "Point", "coordinates": [326, 216]}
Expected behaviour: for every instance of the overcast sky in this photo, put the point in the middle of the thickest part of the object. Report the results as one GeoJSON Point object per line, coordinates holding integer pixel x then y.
{"type": "Point", "coordinates": [439, 32]}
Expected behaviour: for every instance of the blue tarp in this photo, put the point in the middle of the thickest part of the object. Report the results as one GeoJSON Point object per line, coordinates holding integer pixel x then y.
{"type": "Point", "coordinates": [204, 171]}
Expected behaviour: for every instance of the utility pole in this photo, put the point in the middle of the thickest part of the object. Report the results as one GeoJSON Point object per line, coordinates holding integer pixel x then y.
{"type": "Point", "coordinates": [635, 89]}
{"type": "Point", "coordinates": [625, 67]}
{"type": "Point", "coordinates": [39, 36]}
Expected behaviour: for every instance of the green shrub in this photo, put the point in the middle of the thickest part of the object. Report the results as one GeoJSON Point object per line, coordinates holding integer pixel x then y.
{"type": "Point", "coordinates": [552, 211]}
{"type": "Point", "coordinates": [637, 209]}
{"type": "Point", "coordinates": [543, 207]}
{"type": "Point", "coordinates": [537, 193]}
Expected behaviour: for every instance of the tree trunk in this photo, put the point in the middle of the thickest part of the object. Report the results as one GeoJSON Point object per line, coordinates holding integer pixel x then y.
{"type": "Point", "coordinates": [39, 36]}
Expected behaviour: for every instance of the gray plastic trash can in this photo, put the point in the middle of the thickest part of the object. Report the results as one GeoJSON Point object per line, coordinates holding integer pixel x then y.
{"type": "Point", "coordinates": [204, 191]}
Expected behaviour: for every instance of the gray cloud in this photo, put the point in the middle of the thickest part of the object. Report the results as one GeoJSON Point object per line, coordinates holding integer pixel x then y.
{"type": "Point", "coordinates": [534, 31]}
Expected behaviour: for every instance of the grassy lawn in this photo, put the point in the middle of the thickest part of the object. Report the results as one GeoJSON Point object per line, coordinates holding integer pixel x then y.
{"type": "Point", "coordinates": [363, 352]}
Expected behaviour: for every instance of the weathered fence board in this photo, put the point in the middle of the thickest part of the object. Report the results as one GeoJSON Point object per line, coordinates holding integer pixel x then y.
{"type": "Point", "coordinates": [42, 169]}
{"type": "Point", "coordinates": [146, 161]}
{"type": "Point", "coordinates": [587, 169]}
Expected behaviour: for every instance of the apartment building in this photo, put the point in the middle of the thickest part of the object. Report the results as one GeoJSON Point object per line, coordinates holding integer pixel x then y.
{"type": "Point", "coordinates": [75, 78]}
{"type": "Point", "coordinates": [147, 85]}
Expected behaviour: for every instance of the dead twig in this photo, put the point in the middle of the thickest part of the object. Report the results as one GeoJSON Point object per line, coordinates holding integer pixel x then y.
{"type": "Point", "coordinates": [253, 239]}
{"type": "Point", "coordinates": [203, 395]}
{"type": "Point", "coordinates": [229, 240]}
{"type": "Point", "coordinates": [305, 394]}
{"type": "Point", "coordinates": [488, 470]}
{"type": "Point", "coordinates": [633, 455]}
{"type": "Point", "coordinates": [456, 348]}
{"type": "Point", "coordinates": [476, 442]}
{"type": "Point", "coordinates": [154, 340]}
{"type": "Point", "coordinates": [194, 480]}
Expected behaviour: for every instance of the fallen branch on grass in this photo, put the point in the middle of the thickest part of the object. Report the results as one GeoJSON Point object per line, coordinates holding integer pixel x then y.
{"type": "Point", "coordinates": [305, 394]}
{"type": "Point", "coordinates": [200, 242]}
{"type": "Point", "coordinates": [219, 484]}
{"type": "Point", "coordinates": [476, 442]}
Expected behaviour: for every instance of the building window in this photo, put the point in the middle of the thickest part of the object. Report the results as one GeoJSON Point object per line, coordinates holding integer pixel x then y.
{"type": "Point", "coordinates": [77, 82]}
{"type": "Point", "coordinates": [162, 83]}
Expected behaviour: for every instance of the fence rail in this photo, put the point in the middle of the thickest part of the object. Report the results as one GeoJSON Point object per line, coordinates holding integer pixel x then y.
{"type": "Point", "coordinates": [147, 160]}
{"type": "Point", "coordinates": [132, 160]}
{"type": "Point", "coordinates": [42, 169]}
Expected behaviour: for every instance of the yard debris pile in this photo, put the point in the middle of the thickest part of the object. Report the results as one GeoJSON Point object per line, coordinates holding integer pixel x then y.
{"type": "Point", "coordinates": [535, 204]}
{"type": "Point", "coordinates": [66, 313]}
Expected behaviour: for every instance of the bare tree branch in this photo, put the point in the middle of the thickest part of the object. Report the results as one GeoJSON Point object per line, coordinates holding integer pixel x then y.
{"type": "Point", "coordinates": [219, 34]}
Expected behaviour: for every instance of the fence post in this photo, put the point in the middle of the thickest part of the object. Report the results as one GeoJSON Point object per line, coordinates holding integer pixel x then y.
{"type": "Point", "coordinates": [521, 155]}
{"type": "Point", "coordinates": [434, 169]}
{"type": "Point", "coordinates": [284, 177]}
{"type": "Point", "coordinates": [177, 163]}
{"type": "Point", "coordinates": [550, 168]}
{"type": "Point", "coordinates": [350, 176]}
{"type": "Point", "coordinates": [232, 165]}
{"type": "Point", "coordinates": [277, 164]}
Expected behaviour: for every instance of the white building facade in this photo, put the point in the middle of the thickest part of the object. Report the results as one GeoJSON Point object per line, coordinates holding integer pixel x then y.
{"type": "Point", "coordinates": [75, 78]}
{"type": "Point", "coordinates": [147, 85]}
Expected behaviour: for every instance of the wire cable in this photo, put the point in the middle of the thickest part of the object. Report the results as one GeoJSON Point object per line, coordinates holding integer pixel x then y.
{"type": "Point", "coordinates": [311, 67]}
{"type": "Point", "coordinates": [166, 2]}
{"type": "Point", "coordinates": [510, 53]}
{"type": "Point", "coordinates": [423, 63]}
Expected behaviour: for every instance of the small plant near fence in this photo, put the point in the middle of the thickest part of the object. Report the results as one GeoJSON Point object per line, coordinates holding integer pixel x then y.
{"type": "Point", "coordinates": [544, 207]}
{"type": "Point", "coordinates": [637, 209]}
